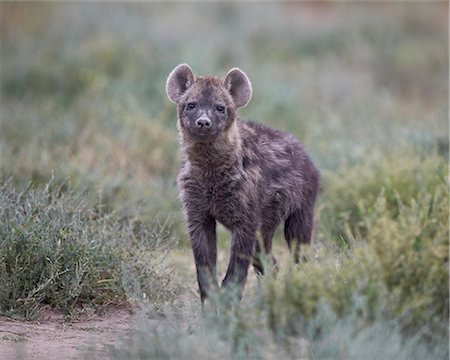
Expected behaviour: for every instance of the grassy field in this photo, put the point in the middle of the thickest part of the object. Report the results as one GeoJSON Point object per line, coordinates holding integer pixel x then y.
{"type": "Point", "coordinates": [89, 216]}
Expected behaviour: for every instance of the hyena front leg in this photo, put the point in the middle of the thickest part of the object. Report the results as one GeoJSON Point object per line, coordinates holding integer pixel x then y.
{"type": "Point", "coordinates": [204, 247]}
{"type": "Point", "coordinates": [242, 247]}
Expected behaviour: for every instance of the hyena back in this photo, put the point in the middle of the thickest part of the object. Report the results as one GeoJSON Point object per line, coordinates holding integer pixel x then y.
{"type": "Point", "coordinates": [247, 176]}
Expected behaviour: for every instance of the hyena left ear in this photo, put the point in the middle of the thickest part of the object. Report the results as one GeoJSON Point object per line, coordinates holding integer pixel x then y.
{"type": "Point", "coordinates": [239, 86]}
{"type": "Point", "coordinates": [180, 79]}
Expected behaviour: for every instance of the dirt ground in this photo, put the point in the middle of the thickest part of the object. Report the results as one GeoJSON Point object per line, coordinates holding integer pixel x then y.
{"type": "Point", "coordinates": [52, 337]}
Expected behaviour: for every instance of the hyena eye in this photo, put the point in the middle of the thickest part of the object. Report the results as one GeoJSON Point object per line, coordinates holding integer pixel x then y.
{"type": "Point", "coordinates": [191, 106]}
{"type": "Point", "coordinates": [220, 108]}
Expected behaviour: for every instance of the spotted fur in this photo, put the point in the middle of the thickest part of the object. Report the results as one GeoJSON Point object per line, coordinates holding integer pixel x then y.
{"type": "Point", "coordinates": [245, 175]}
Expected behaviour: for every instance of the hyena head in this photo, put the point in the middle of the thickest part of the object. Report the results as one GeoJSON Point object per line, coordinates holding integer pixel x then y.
{"type": "Point", "coordinates": [206, 104]}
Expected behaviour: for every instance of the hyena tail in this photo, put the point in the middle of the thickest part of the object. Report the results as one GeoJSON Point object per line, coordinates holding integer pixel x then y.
{"type": "Point", "coordinates": [298, 227]}
{"type": "Point", "coordinates": [299, 223]}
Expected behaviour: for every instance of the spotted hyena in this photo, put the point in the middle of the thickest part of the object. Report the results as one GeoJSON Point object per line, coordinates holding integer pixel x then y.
{"type": "Point", "coordinates": [245, 175]}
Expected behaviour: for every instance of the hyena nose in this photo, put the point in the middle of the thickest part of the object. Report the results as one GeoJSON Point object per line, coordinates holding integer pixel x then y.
{"type": "Point", "coordinates": [203, 121]}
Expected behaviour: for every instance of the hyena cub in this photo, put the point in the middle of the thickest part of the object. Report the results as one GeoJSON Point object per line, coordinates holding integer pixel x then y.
{"type": "Point", "coordinates": [247, 176]}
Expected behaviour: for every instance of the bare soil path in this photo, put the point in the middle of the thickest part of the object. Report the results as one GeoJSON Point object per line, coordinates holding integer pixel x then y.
{"type": "Point", "coordinates": [52, 337]}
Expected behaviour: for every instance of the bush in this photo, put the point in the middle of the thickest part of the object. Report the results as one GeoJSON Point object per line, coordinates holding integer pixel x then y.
{"type": "Point", "coordinates": [58, 250]}
{"type": "Point", "coordinates": [395, 266]}
{"type": "Point", "coordinates": [352, 193]}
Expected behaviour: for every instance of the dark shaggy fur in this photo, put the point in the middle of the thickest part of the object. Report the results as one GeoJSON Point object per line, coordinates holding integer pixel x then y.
{"type": "Point", "coordinates": [245, 175]}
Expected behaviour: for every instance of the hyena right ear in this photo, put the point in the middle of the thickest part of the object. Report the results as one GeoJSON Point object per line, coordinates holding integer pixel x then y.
{"type": "Point", "coordinates": [179, 80]}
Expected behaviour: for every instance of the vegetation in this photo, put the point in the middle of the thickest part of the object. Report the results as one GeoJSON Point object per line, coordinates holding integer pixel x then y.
{"type": "Point", "coordinates": [58, 251]}
{"type": "Point", "coordinates": [89, 215]}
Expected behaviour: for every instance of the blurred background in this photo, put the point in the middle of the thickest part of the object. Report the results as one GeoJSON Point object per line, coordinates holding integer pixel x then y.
{"type": "Point", "coordinates": [83, 110]}
{"type": "Point", "coordinates": [82, 85]}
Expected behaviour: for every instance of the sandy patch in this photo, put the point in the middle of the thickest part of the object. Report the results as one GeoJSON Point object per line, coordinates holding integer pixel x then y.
{"type": "Point", "coordinates": [51, 337]}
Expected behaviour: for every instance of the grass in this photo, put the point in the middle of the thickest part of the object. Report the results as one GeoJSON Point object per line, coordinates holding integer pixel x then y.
{"type": "Point", "coordinates": [88, 157]}
{"type": "Point", "coordinates": [59, 251]}
{"type": "Point", "coordinates": [402, 254]}
{"type": "Point", "coordinates": [392, 181]}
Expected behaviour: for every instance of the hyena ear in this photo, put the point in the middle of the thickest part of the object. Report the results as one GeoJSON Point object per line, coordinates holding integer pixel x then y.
{"type": "Point", "coordinates": [179, 80]}
{"type": "Point", "coordinates": [239, 86]}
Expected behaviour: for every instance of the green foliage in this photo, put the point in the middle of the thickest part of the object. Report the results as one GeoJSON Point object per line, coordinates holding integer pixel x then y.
{"type": "Point", "coordinates": [57, 250]}
{"type": "Point", "coordinates": [244, 333]}
{"type": "Point", "coordinates": [396, 268]}
{"type": "Point", "coordinates": [354, 193]}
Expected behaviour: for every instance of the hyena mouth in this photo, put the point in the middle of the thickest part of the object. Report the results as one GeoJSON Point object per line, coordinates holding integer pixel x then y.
{"type": "Point", "coordinates": [203, 135]}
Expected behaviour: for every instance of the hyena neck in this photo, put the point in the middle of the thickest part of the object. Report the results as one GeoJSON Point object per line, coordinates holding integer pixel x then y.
{"type": "Point", "coordinates": [221, 154]}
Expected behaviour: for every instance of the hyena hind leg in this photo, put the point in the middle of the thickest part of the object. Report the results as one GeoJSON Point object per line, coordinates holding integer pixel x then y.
{"type": "Point", "coordinates": [298, 230]}
{"type": "Point", "coordinates": [257, 263]}
{"type": "Point", "coordinates": [259, 254]}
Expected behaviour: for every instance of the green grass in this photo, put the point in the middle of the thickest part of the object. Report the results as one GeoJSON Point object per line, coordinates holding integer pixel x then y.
{"type": "Point", "coordinates": [247, 338]}
{"type": "Point", "coordinates": [89, 154]}
{"type": "Point", "coordinates": [58, 248]}
{"type": "Point", "coordinates": [392, 182]}
{"type": "Point", "coordinates": [401, 254]}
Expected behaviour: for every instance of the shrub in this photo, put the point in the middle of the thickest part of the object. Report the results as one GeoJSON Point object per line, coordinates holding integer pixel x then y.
{"type": "Point", "coordinates": [57, 250]}
{"type": "Point", "coordinates": [352, 193]}
{"type": "Point", "coordinates": [395, 266]}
